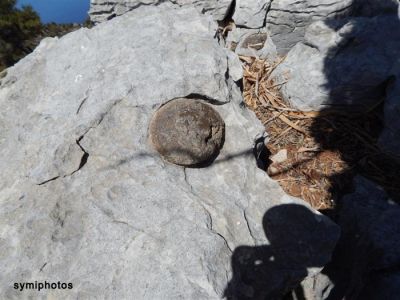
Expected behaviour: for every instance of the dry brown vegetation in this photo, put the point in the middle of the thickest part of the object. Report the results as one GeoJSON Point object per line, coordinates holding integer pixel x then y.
{"type": "Point", "coordinates": [325, 149]}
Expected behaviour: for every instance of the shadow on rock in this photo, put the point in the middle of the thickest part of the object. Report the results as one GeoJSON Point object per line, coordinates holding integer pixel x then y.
{"type": "Point", "coordinates": [360, 97]}
{"type": "Point", "coordinates": [362, 79]}
{"type": "Point", "coordinates": [299, 240]}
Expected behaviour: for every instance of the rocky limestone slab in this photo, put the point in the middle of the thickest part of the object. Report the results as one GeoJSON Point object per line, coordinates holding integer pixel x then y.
{"type": "Point", "coordinates": [246, 13]}
{"type": "Point", "coordinates": [218, 9]}
{"type": "Point", "coordinates": [86, 199]}
{"type": "Point", "coordinates": [103, 10]}
{"type": "Point", "coordinates": [287, 20]}
{"type": "Point", "coordinates": [344, 63]}
{"type": "Point", "coordinates": [251, 13]}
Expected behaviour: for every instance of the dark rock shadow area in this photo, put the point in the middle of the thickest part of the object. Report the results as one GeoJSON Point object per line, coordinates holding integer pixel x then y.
{"type": "Point", "coordinates": [299, 239]}
{"type": "Point", "coordinates": [362, 70]}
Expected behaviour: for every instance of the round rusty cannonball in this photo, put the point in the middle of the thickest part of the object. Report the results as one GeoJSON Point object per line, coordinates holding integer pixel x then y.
{"type": "Point", "coordinates": [187, 132]}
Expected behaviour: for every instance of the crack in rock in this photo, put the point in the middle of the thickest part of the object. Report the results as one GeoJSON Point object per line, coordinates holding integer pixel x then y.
{"type": "Point", "coordinates": [85, 155]}
{"type": "Point", "coordinates": [210, 219]}
{"type": "Point", "coordinates": [83, 161]}
{"type": "Point", "coordinates": [48, 180]}
{"type": "Point", "coordinates": [83, 101]}
{"type": "Point", "coordinates": [248, 227]}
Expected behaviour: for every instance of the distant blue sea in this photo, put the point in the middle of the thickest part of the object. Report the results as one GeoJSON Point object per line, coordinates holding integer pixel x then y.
{"type": "Point", "coordinates": [59, 11]}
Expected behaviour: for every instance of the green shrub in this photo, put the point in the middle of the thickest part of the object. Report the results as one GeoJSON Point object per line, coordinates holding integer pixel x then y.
{"type": "Point", "coordinates": [17, 28]}
{"type": "Point", "coordinates": [21, 31]}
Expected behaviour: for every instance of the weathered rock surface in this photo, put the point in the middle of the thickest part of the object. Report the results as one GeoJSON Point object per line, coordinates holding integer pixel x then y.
{"type": "Point", "coordinates": [252, 42]}
{"type": "Point", "coordinates": [84, 197]}
{"type": "Point", "coordinates": [341, 63]}
{"type": "Point", "coordinates": [287, 20]}
{"type": "Point", "coordinates": [103, 10]}
{"type": "Point", "coordinates": [187, 132]}
{"type": "Point", "coordinates": [251, 13]}
{"type": "Point", "coordinates": [247, 13]}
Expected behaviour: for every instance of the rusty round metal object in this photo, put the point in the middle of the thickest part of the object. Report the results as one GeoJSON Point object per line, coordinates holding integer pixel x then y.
{"type": "Point", "coordinates": [187, 132]}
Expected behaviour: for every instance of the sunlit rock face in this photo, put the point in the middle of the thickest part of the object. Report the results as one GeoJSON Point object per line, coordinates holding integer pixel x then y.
{"type": "Point", "coordinates": [245, 13]}
{"type": "Point", "coordinates": [84, 196]}
{"type": "Point", "coordinates": [103, 10]}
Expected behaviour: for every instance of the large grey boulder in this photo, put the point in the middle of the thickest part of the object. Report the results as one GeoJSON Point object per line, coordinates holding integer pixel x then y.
{"type": "Point", "coordinates": [287, 20]}
{"type": "Point", "coordinates": [86, 199]}
{"type": "Point", "coordinates": [341, 63]}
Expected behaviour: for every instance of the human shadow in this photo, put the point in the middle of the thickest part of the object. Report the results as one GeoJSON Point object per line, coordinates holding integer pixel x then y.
{"type": "Point", "coordinates": [299, 240]}
{"type": "Point", "coordinates": [360, 78]}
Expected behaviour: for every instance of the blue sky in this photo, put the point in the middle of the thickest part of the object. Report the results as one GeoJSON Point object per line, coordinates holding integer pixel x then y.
{"type": "Point", "coordinates": [59, 11]}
